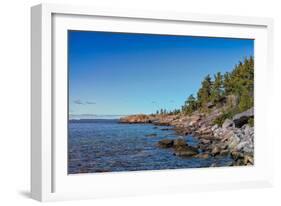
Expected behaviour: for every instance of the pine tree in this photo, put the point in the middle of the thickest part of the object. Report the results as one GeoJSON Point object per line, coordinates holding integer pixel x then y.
{"type": "Point", "coordinates": [190, 105]}
{"type": "Point", "coordinates": [217, 88]}
{"type": "Point", "coordinates": [203, 95]}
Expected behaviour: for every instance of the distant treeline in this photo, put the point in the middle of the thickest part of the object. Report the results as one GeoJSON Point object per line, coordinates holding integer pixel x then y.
{"type": "Point", "coordinates": [235, 88]}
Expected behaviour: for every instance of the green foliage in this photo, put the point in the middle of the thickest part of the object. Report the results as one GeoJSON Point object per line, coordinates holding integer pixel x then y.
{"type": "Point", "coordinates": [251, 121]}
{"type": "Point", "coordinates": [204, 93]}
{"type": "Point", "coordinates": [217, 88]}
{"type": "Point", "coordinates": [246, 100]}
{"type": "Point", "coordinates": [174, 112]}
{"type": "Point", "coordinates": [190, 105]}
{"type": "Point", "coordinates": [225, 115]}
{"type": "Point", "coordinates": [238, 84]}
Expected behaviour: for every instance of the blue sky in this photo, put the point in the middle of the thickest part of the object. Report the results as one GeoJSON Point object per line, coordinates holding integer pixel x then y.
{"type": "Point", "coordinates": [121, 74]}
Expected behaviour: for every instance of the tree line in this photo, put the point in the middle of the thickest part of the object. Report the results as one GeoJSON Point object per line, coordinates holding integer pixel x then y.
{"type": "Point", "coordinates": [235, 87]}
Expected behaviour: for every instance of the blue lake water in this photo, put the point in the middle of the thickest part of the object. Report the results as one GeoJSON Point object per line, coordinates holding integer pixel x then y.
{"type": "Point", "coordinates": [108, 146]}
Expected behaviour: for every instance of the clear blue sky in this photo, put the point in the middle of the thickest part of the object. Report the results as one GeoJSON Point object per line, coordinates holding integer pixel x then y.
{"type": "Point", "coordinates": [121, 74]}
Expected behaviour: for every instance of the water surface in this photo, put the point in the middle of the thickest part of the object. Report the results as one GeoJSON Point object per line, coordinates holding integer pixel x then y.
{"type": "Point", "coordinates": [103, 145]}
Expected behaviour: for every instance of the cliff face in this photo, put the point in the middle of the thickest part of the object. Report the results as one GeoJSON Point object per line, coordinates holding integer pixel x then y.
{"type": "Point", "coordinates": [235, 137]}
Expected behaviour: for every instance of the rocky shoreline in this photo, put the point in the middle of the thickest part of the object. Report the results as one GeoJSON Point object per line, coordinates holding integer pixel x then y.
{"type": "Point", "coordinates": [235, 137]}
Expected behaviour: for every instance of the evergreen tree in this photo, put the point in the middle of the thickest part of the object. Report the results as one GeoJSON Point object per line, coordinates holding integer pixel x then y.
{"type": "Point", "coordinates": [217, 88]}
{"type": "Point", "coordinates": [190, 105]}
{"type": "Point", "coordinates": [203, 95]}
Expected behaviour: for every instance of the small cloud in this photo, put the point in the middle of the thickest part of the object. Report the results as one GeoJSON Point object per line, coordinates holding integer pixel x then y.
{"type": "Point", "coordinates": [153, 102]}
{"type": "Point", "coordinates": [172, 101]}
{"type": "Point", "coordinates": [89, 102]}
{"type": "Point", "coordinates": [78, 101]}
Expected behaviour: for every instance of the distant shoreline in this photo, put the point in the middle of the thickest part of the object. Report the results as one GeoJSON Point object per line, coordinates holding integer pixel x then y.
{"type": "Point", "coordinates": [93, 116]}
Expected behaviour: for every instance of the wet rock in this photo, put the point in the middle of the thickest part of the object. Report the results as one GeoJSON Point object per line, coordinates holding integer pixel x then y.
{"type": "Point", "coordinates": [202, 156]}
{"type": "Point", "coordinates": [186, 151]}
{"type": "Point", "coordinates": [243, 117]}
{"type": "Point", "coordinates": [203, 147]}
{"type": "Point", "coordinates": [166, 143]}
{"type": "Point", "coordinates": [179, 143]}
{"type": "Point", "coordinates": [183, 131]}
{"type": "Point", "coordinates": [164, 129]}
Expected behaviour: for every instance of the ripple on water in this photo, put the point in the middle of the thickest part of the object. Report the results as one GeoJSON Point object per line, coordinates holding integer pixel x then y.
{"type": "Point", "coordinates": [106, 145]}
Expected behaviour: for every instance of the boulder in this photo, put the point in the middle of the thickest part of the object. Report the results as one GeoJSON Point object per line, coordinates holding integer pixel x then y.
{"type": "Point", "coordinates": [224, 152]}
{"type": "Point", "coordinates": [179, 143]}
{"type": "Point", "coordinates": [241, 145]}
{"type": "Point", "coordinates": [243, 117]}
{"type": "Point", "coordinates": [215, 127]}
{"type": "Point", "coordinates": [233, 142]}
{"type": "Point", "coordinates": [202, 156]}
{"type": "Point", "coordinates": [205, 141]}
{"type": "Point", "coordinates": [227, 123]}
{"type": "Point", "coordinates": [236, 155]}
{"type": "Point", "coordinates": [227, 135]}
{"type": "Point", "coordinates": [186, 151]}
{"type": "Point", "coordinates": [248, 159]}
{"type": "Point", "coordinates": [215, 151]}
{"type": "Point", "coordinates": [166, 143]}
{"type": "Point", "coordinates": [210, 105]}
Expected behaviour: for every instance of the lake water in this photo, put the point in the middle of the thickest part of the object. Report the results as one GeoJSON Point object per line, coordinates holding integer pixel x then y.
{"type": "Point", "coordinates": [108, 146]}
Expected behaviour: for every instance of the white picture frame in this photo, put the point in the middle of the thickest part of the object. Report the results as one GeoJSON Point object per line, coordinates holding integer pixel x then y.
{"type": "Point", "coordinates": [49, 179]}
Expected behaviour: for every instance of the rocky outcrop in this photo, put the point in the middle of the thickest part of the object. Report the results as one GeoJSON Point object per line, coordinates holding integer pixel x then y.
{"type": "Point", "coordinates": [134, 119]}
{"type": "Point", "coordinates": [242, 118]}
{"type": "Point", "coordinates": [235, 137]}
{"type": "Point", "coordinates": [227, 123]}
{"type": "Point", "coordinates": [181, 148]}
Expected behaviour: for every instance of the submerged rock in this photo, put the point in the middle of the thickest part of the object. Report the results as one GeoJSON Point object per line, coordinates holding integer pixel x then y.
{"type": "Point", "coordinates": [151, 135]}
{"type": "Point", "coordinates": [179, 143]}
{"type": "Point", "coordinates": [186, 151]}
{"type": "Point", "coordinates": [166, 143]}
